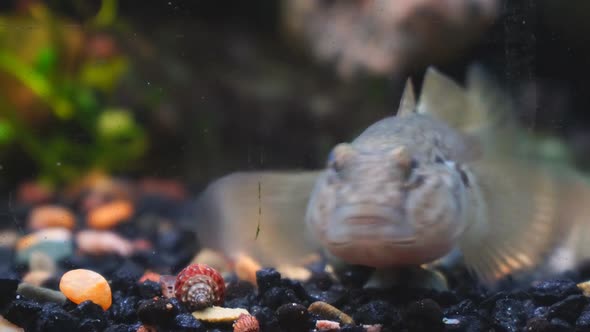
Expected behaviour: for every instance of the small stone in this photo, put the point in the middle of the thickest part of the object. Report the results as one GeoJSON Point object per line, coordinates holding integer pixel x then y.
{"type": "Point", "coordinates": [568, 309]}
{"type": "Point", "coordinates": [583, 321]}
{"type": "Point", "coordinates": [217, 314]}
{"type": "Point", "coordinates": [150, 276]}
{"type": "Point", "coordinates": [550, 291]}
{"type": "Point", "coordinates": [266, 318]}
{"type": "Point", "coordinates": [294, 317]}
{"type": "Point", "coordinates": [377, 312]}
{"type": "Point", "coordinates": [277, 296]}
{"type": "Point", "coordinates": [126, 276]}
{"type": "Point", "coordinates": [81, 285]}
{"type": "Point", "coordinates": [294, 272]}
{"type": "Point", "coordinates": [561, 325]}
{"type": "Point", "coordinates": [159, 312]}
{"type": "Point", "coordinates": [188, 323]}
{"type": "Point", "coordinates": [541, 312]}
{"type": "Point", "coordinates": [373, 328]}
{"type": "Point", "coordinates": [267, 278]}
{"type": "Point", "coordinates": [150, 289]}
{"type": "Point", "coordinates": [424, 315]}
{"type": "Point", "coordinates": [464, 307]}
{"type": "Point", "coordinates": [94, 242]}
{"type": "Point", "coordinates": [469, 323]}
{"type": "Point", "coordinates": [124, 309]}
{"type": "Point", "coordinates": [8, 238]}
{"type": "Point", "coordinates": [539, 324]}
{"type": "Point", "coordinates": [298, 289]}
{"type": "Point", "coordinates": [55, 242]}
{"type": "Point", "coordinates": [451, 321]}
{"type": "Point", "coordinates": [239, 289]}
{"type": "Point", "coordinates": [327, 325]}
{"type": "Point", "coordinates": [246, 323]}
{"type": "Point", "coordinates": [41, 294]}
{"type": "Point", "coordinates": [91, 315]}
{"type": "Point", "coordinates": [332, 295]}
{"type": "Point", "coordinates": [110, 214]}
{"type": "Point", "coordinates": [509, 314]}
{"type": "Point", "coordinates": [31, 192]}
{"type": "Point", "coordinates": [56, 234]}
{"type": "Point", "coordinates": [53, 318]}
{"type": "Point", "coordinates": [146, 328]}
{"type": "Point", "coordinates": [24, 313]}
{"type": "Point", "coordinates": [123, 328]}
{"type": "Point", "coordinates": [46, 216]}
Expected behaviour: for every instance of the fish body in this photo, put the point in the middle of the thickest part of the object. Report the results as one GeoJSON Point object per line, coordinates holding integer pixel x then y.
{"type": "Point", "coordinates": [444, 174]}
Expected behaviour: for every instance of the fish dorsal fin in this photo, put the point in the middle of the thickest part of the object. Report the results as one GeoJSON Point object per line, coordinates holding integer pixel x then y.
{"type": "Point", "coordinates": [232, 217]}
{"type": "Point", "coordinates": [491, 113]}
{"type": "Point", "coordinates": [407, 104]}
{"type": "Point", "coordinates": [443, 98]}
{"type": "Point", "coordinates": [489, 104]}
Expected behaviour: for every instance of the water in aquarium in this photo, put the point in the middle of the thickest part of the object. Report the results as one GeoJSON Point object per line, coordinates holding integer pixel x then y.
{"type": "Point", "coordinates": [294, 165]}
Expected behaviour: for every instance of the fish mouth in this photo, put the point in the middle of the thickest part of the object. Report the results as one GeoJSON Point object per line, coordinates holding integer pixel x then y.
{"type": "Point", "coordinates": [367, 214]}
{"type": "Point", "coordinates": [368, 225]}
{"type": "Point", "coordinates": [375, 242]}
{"type": "Point", "coordinates": [368, 220]}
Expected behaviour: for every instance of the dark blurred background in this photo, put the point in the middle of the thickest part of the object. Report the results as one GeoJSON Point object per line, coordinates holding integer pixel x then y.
{"type": "Point", "coordinates": [192, 90]}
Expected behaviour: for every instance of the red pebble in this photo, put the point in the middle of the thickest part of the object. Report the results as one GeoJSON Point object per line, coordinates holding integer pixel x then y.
{"type": "Point", "coordinates": [199, 286]}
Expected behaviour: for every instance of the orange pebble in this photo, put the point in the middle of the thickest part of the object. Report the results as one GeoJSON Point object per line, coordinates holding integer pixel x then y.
{"type": "Point", "coordinates": [51, 216]}
{"type": "Point", "coordinates": [149, 275]}
{"type": "Point", "coordinates": [82, 285]}
{"type": "Point", "coordinates": [110, 214]}
{"type": "Point", "coordinates": [246, 267]}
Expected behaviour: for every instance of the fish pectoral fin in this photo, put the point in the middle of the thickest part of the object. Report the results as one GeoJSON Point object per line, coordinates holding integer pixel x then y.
{"type": "Point", "coordinates": [258, 213]}
{"type": "Point", "coordinates": [515, 220]}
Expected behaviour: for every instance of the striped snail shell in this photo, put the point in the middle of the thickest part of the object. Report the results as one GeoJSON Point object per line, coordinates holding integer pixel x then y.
{"type": "Point", "coordinates": [199, 286]}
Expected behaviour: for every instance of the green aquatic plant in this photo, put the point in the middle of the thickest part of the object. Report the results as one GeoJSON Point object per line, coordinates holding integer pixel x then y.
{"type": "Point", "coordinates": [57, 84]}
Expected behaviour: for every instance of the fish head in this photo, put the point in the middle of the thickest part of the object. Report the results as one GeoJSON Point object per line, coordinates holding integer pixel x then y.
{"type": "Point", "coordinates": [388, 208]}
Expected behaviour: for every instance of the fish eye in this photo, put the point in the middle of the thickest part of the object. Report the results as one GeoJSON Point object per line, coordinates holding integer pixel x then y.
{"type": "Point", "coordinates": [332, 162]}
{"type": "Point", "coordinates": [408, 170]}
{"type": "Point", "coordinates": [339, 156]}
{"type": "Point", "coordinates": [463, 175]}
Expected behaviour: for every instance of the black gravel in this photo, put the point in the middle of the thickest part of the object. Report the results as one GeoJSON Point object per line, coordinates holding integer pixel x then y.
{"type": "Point", "coordinates": [281, 304]}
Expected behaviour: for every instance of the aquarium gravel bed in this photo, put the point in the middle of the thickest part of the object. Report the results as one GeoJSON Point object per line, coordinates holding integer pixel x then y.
{"type": "Point", "coordinates": [154, 239]}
